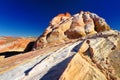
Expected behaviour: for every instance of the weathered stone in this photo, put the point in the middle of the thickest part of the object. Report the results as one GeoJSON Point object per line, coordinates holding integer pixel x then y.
{"type": "Point", "coordinates": [97, 49]}
{"type": "Point", "coordinates": [2, 57]}
{"type": "Point", "coordinates": [84, 47]}
{"type": "Point", "coordinates": [65, 26]}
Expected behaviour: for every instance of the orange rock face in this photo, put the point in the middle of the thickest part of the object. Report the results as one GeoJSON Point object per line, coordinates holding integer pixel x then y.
{"type": "Point", "coordinates": [66, 27]}
{"type": "Point", "coordinates": [59, 17]}
{"type": "Point", "coordinates": [14, 44]}
{"type": "Point", "coordinates": [2, 42]}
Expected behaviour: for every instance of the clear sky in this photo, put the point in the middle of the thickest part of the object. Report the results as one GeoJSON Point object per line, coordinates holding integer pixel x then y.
{"type": "Point", "coordinates": [31, 17]}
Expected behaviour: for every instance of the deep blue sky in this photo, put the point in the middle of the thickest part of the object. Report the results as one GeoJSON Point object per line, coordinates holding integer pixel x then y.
{"type": "Point", "coordinates": [31, 17]}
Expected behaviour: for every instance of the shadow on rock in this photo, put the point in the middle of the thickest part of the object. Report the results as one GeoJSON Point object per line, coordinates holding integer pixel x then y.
{"type": "Point", "coordinates": [55, 72]}
{"type": "Point", "coordinates": [29, 46]}
{"type": "Point", "coordinates": [9, 54]}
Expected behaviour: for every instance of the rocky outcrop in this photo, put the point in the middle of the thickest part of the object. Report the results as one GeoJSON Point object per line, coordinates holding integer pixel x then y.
{"type": "Point", "coordinates": [80, 69]}
{"type": "Point", "coordinates": [93, 61]}
{"type": "Point", "coordinates": [66, 27]}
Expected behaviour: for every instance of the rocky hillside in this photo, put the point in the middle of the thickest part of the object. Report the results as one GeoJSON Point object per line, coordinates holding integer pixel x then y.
{"type": "Point", "coordinates": [14, 43]}
{"type": "Point", "coordinates": [78, 47]}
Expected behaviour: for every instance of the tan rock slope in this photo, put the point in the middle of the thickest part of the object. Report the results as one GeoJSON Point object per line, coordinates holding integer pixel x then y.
{"type": "Point", "coordinates": [97, 59]}
{"type": "Point", "coordinates": [65, 27]}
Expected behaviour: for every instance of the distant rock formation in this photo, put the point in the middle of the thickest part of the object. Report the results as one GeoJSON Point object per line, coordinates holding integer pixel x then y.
{"type": "Point", "coordinates": [65, 27]}
{"type": "Point", "coordinates": [14, 43]}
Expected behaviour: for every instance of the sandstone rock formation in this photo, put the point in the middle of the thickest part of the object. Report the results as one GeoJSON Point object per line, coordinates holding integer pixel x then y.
{"type": "Point", "coordinates": [93, 61]}
{"type": "Point", "coordinates": [95, 57]}
{"type": "Point", "coordinates": [78, 47]}
{"type": "Point", "coordinates": [65, 27]}
{"type": "Point", "coordinates": [14, 43]}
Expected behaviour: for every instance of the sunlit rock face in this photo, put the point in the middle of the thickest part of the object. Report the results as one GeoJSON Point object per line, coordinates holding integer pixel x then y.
{"type": "Point", "coordinates": [8, 44]}
{"type": "Point", "coordinates": [96, 59]}
{"type": "Point", "coordinates": [78, 47]}
{"type": "Point", "coordinates": [66, 27]}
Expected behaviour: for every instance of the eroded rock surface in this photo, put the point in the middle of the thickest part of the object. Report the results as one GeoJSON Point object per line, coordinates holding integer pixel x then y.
{"type": "Point", "coordinates": [95, 60]}
{"type": "Point", "coordinates": [95, 57]}
{"type": "Point", "coordinates": [65, 27]}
